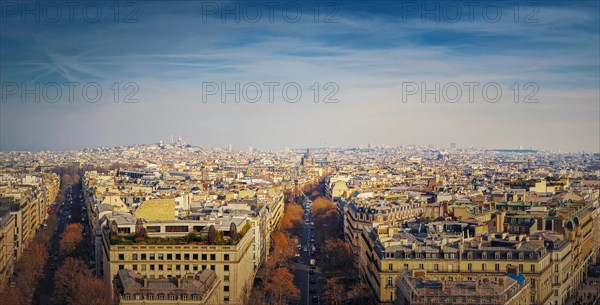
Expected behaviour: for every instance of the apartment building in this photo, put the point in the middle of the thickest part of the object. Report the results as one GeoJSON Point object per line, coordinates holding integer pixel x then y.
{"type": "Point", "coordinates": [7, 244]}
{"type": "Point", "coordinates": [510, 290]}
{"type": "Point", "coordinates": [167, 253]}
{"type": "Point", "coordinates": [371, 214]}
{"type": "Point", "coordinates": [388, 252]}
{"type": "Point", "coordinates": [200, 288]}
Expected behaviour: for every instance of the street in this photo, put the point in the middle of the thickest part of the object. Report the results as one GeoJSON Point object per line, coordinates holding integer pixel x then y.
{"type": "Point", "coordinates": [69, 212]}
{"type": "Point", "coordinates": [309, 282]}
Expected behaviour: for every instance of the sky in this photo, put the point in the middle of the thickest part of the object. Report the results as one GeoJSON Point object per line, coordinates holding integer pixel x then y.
{"type": "Point", "coordinates": [300, 74]}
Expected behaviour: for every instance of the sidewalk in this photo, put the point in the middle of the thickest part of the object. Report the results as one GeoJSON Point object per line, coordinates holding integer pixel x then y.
{"type": "Point", "coordinates": [588, 294]}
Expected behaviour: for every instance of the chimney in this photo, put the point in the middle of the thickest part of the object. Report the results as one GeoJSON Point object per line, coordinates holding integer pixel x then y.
{"type": "Point", "coordinates": [510, 269]}
{"type": "Point", "coordinates": [146, 284]}
{"type": "Point", "coordinates": [179, 281]}
{"type": "Point", "coordinates": [500, 222]}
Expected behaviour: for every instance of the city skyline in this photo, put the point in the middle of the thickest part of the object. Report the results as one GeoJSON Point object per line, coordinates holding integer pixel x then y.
{"type": "Point", "coordinates": [367, 58]}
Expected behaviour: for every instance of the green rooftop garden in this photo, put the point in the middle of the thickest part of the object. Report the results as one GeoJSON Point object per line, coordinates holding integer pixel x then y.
{"type": "Point", "coordinates": [212, 237]}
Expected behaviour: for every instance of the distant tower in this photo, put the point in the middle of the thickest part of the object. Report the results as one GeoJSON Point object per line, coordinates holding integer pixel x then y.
{"type": "Point", "coordinates": [250, 149]}
{"type": "Point", "coordinates": [172, 141]}
{"type": "Point", "coordinates": [452, 145]}
{"type": "Point", "coordinates": [230, 147]}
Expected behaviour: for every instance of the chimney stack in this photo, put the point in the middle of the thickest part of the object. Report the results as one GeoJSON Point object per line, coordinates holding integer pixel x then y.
{"type": "Point", "coordinates": [500, 222]}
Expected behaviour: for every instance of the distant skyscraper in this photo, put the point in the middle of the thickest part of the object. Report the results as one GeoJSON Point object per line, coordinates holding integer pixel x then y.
{"type": "Point", "coordinates": [230, 147]}
{"type": "Point", "coordinates": [452, 145]}
{"type": "Point", "coordinates": [250, 149]}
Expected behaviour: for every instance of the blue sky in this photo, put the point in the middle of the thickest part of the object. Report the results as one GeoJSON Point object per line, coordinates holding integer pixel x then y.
{"type": "Point", "coordinates": [367, 50]}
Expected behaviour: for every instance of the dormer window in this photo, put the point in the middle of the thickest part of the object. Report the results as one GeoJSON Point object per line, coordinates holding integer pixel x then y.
{"type": "Point", "coordinates": [484, 255]}
{"type": "Point", "coordinates": [470, 255]}
{"type": "Point", "coordinates": [509, 255]}
{"type": "Point", "coordinates": [497, 255]}
{"type": "Point", "coordinates": [521, 255]}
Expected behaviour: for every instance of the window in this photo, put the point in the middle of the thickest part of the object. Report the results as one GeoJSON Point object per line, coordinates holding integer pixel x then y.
{"type": "Point", "coordinates": [225, 257]}
{"type": "Point", "coordinates": [406, 267]}
{"type": "Point", "coordinates": [521, 268]}
{"type": "Point", "coordinates": [436, 267]}
{"type": "Point", "coordinates": [195, 267]}
{"type": "Point", "coordinates": [176, 228]}
{"type": "Point", "coordinates": [153, 229]}
{"type": "Point", "coordinates": [521, 255]}
{"type": "Point", "coordinates": [226, 278]}
{"type": "Point", "coordinates": [152, 257]}
{"type": "Point", "coordinates": [151, 267]}
{"type": "Point", "coordinates": [169, 256]}
{"type": "Point", "coordinates": [203, 257]}
{"type": "Point", "coordinates": [212, 267]}
{"type": "Point", "coordinates": [160, 267]}
{"type": "Point", "coordinates": [169, 267]}
{"type": "Point", "coordinates": [127, 297]}
{"type": "Point", "coordinates": [226, 299]}
{"type": "Point", "coordinates": [470, 267]}
{"type": "Point", "coordinates": [150, 296]}
{"type": "Point", "coordinates": [483, 267]}
{"type": "Point", "coordinates": [121, 257]}
{"type": "Point", "coordinates": [390, 267]}
{"type": "Point", "coordinates": [143, 267]}
{"type": "Point", "coordinates": [226, 288]}
{"type": "Point", "coordinates": [226, 267]}
{"type": "Point", "coordinates": [172, 297]}
{"type": "Point", "coordinates": [177, 267]}
{"type": "Point", "coordinates": [161, 296]}
{"type": "Point", "coordinates": [121, 267]}
{"type": "Point", "coordinates": [509, 255]}
{"type": "Point", "coordinates": [186, 257]}
{"type": "Point", "coordinates": [184, 297]}
{"type": "Point", "coordinates": [213, 257]}
{"type": "Point", "coordinates": [195, 297]}
{"type": "Point", "coordinates": [389, 281]}
{"type": "Point", "coordinates": [134, 256]}
{"type": "Point", "coordinates": [186, 267]}
{"type": "Point", "coordinates": [203, 267]}
{"type": "Point", "coordinates": [497, 255]}
{"type": "Point", "coordinates": [178, 257]}
{"type": "Point", "coordinates": [137, 297]}
{"type": "Point", "coordinates": [470, 255]}
{"type": "Point", "coordinates": [532, 267]}
{"type": "Point", "coordinates": [421, 266]}
{"type": "Point", "coordinates": [195, 257]}
{"type": "Point", "coordinates": [497, 267]}
{"type": "Point", "coordinates": [135, 268]}
{"type": "Point", "coordinates": [144, 256]}
{"type": "Point", "coordinates": [161, 256]}
{"type": "Point", "coordinates": [484, 255]}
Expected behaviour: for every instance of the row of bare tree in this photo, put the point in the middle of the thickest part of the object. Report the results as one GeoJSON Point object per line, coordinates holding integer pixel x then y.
{"type": "Point", "coordinates": [279, 287]}
{"type": "Point", "coordinates": [341, 286]}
